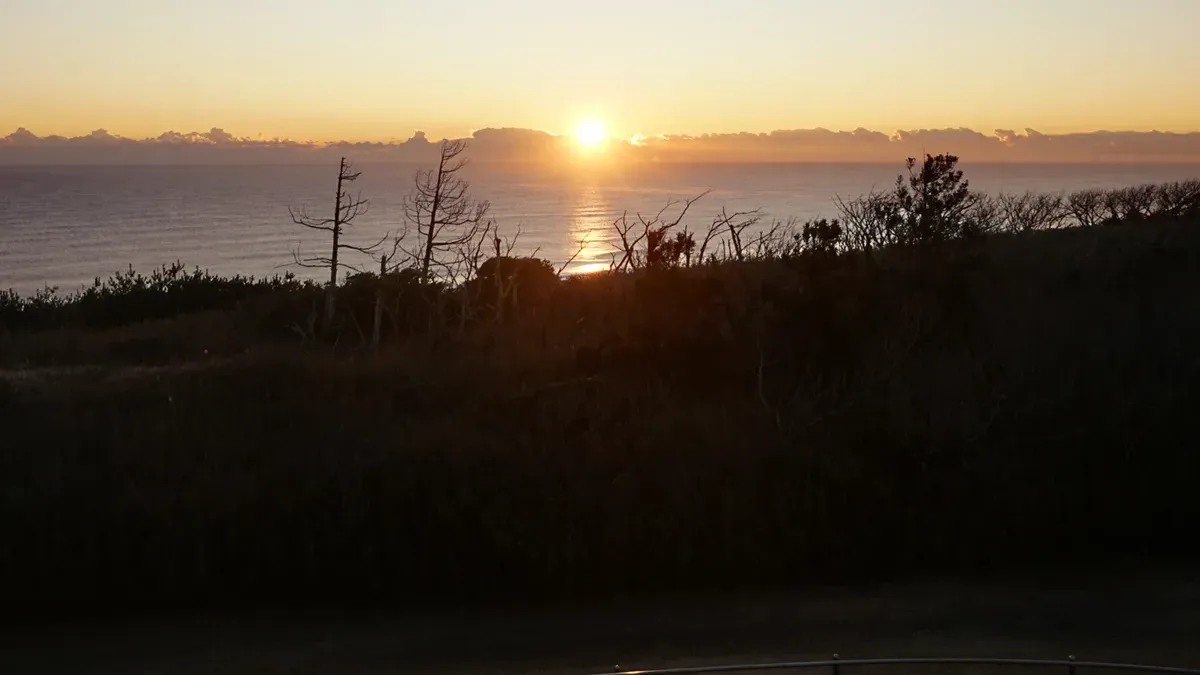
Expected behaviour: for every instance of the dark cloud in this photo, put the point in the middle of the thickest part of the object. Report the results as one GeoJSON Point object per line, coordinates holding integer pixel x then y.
{"type": "Point", "coordinates": [21, 137]}
{"type": "Point", "coordinates": [527, 145]}
{"type": "Point", "coordinates": [864, 145]}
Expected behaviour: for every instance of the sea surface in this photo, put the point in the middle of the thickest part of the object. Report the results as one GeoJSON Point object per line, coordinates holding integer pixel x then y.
{"type": "Point", "coordinates": [65, 226]}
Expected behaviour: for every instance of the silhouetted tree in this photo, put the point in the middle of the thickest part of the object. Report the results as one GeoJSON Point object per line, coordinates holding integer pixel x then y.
{"type": "Point", "coordinates": [661, 250]}
{"type": "Point", "coordinates": [445, 214]}
{"type": "Point", "coordinates": [345, 209]}
{"type": "Point", "coordinates": [1031, 211]}
{"type": "Point", "coordinates": [509, 283]}
{"type": "Point", "coordinates": [821, 236]}
{"type": "Point", "coordinates": [867, 221]}
{"type": "Point", "coordinates": [736, 223]}
{"type": "Point", "coordinates": [1130, 204]}
{"type": "Point", "coordinates": [935, 202]}
{"type": "Point", "coordinates": [1178, 198]}
{"type": "Point", "coordinates": [1086, 207]}
{"type": "Point", "coordinates": [932, 203]}
{"type": "Point", "coordinates": [387, 265]}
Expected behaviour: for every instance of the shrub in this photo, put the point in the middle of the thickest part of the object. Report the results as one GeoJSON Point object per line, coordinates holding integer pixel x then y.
{"type": "Point", "coordinates": [130, 297]}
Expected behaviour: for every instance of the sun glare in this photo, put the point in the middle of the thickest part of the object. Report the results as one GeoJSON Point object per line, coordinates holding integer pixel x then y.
{"type": "Point", "coordinates": [590, 133]}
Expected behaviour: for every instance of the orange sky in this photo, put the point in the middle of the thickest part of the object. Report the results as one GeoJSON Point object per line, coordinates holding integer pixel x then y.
{"type": "Point", "coordinates": [377, 70]}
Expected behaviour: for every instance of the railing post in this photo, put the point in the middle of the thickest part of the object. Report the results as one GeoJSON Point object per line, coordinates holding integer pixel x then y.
{"type": "Point", "coordinates": [837, 670]}
{"type": "Point", "coordinates": [1071, 664]}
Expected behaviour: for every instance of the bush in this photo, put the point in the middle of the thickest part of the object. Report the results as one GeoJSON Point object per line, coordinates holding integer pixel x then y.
{"type": "Point", "coordinates": [129, 297]}
{"type": "Point", "coordinates": [510, 282]}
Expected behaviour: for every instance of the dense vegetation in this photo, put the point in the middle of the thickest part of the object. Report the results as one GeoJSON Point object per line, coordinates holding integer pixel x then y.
{"type": "Point", "coordinates": [935, 381]}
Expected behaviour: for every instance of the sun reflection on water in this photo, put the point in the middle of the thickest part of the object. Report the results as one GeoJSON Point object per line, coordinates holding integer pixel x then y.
{"type": "Point", "coordinates": [591, 226]}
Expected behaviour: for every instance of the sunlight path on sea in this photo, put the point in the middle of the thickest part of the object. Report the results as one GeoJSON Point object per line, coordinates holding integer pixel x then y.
{"type": "Point", "coordinates": [590, 233]}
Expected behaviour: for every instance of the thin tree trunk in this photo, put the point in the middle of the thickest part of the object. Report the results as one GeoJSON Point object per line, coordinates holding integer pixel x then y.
{"type": "Point", "coordinates": [330, 302]}
{"type": "Point", "coordinates": [437, 197]}
{"type": "Point", "coordinates": [378, 319]}
{"type": "Point", "coordinates": [331, 292]}
{"type": "Point", "coordinates": [337, 223]}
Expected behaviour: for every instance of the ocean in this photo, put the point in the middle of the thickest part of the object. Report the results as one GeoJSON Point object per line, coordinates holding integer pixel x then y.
{"type": "Point", "coordinates": [64, 226]}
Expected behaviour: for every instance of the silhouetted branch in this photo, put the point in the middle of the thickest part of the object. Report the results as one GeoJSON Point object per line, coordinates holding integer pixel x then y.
{"type": "Point", "coordinates": [653, 231]}
{"type": "Point", "coordinates": [582, 246]}
{"type": "Point", "coordinates": [302, 218]}
{"type": "Point", "coordinates": [1030, 211]}
{"type": "Point", "coordinates": [370, 249]}
{"type": "Point", "coordinates": [445, 215]}
{"type": "Point", "coordinates": [714, 229]}
{"type": "Point", "coordinates": [345, 210]}
{"type": "Point", "coordinates": [736, 223]}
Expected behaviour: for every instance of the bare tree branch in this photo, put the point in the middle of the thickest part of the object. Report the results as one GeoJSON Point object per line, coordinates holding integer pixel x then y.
{"type": "Point", "coordinates": [735, 223]}
{"type": "Point", "coordinates": [370, 249]}
{"type": "Point", "coordinates": [441, 207]}
{"type": "Point", "coordinates": [582, 246]}
{"type": "Point", "coordinates": [714, 229]}
{"type": "Point", "coordinates": [345, 210]}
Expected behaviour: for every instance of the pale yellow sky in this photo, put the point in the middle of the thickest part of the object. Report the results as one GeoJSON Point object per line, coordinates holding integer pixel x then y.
{"type": "Point", "coordinates": [378, 69]}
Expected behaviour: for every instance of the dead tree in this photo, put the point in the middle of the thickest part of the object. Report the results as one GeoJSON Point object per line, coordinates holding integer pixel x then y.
{"type": "Point", "coordinates": [736, 223]}
{"type": "Point", "coordinates": [653, 232]}
{"type": "Point", "coordinates": [445, 214]}
{"type": "Point", "coordinates": [345, 209]}
{"type": "Point", "coordinates": [1031, 211]}
{"type": "Point", "coordinates": [387, 265]}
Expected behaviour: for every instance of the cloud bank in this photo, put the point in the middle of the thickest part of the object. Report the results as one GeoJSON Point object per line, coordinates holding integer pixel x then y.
{"type": "Point", "coordinates": [218, 146]}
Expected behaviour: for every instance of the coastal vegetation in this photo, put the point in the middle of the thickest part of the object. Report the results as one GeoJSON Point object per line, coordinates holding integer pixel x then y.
{"type": "Point", "coordinates": [935, 381]}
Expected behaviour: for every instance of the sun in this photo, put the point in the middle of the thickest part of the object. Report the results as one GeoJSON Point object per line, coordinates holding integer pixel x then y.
{"type": "Point", "coordinates": [590, 133]}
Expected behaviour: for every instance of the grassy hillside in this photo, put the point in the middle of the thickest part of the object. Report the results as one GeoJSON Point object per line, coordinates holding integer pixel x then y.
{"type": "Point", "coordinates": [966, 404]}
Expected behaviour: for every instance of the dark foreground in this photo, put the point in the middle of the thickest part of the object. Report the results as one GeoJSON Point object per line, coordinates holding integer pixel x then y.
{"type": "Point", "coordinates": [971, 407]}
{"type": "Point", "coordinates": [963, 397]}
{"type": "Point", "coordinates": [1134, 614]}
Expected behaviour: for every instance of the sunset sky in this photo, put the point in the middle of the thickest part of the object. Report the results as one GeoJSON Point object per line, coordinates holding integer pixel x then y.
{"type": "Point", "coordinates": [378, 69]}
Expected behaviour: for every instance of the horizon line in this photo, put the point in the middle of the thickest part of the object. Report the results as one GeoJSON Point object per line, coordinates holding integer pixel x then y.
{"type": "Point", "coordinates": [515, 145]}
{"type": "Point", "coordinates": [418, 134]}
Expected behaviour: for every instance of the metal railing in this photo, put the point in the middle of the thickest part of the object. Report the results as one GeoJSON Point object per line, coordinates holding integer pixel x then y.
{"type": "Point", "coordinates": [836, 664]}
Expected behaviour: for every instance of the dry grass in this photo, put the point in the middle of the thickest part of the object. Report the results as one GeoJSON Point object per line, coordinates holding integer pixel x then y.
{"type": "Point", "coordinates": [967, 406]}
{"type": "Point", "coordinates": [800, 412]}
